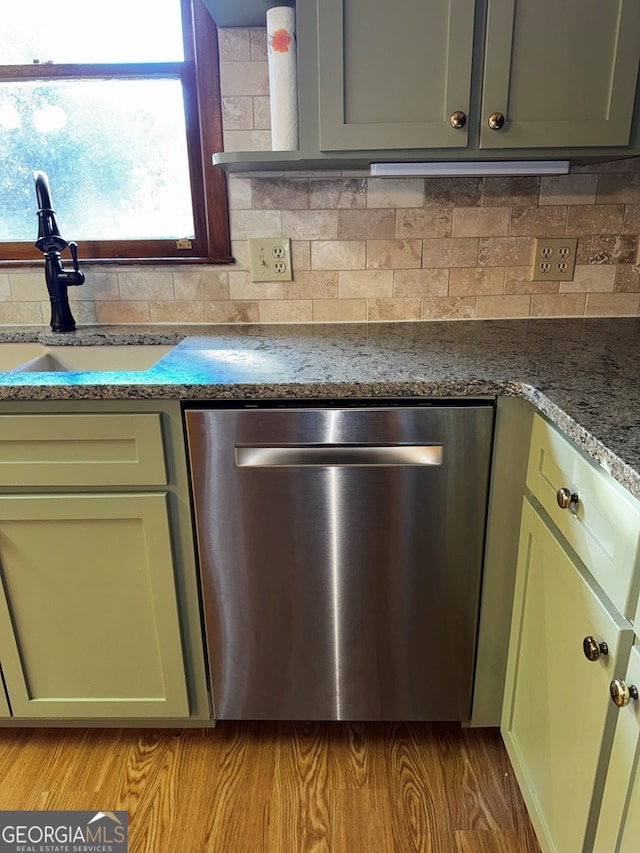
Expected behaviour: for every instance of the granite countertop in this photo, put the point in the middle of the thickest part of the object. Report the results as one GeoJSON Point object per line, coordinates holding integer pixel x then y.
{"type": "Point", "coordinates": [583, 374]}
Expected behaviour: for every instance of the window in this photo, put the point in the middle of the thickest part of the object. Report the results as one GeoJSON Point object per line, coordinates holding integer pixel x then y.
{"type": "Point", "coordinates": [119, 104]}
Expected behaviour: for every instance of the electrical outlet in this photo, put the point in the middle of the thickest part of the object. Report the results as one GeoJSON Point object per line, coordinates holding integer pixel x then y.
{"type": "Point", "coordinates": [270, 258]}
{"type": "Point", "coordinates": [554, 259]}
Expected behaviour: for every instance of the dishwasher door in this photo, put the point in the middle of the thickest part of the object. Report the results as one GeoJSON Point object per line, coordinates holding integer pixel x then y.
{"type": "Point", "coordinates": [341, 558]}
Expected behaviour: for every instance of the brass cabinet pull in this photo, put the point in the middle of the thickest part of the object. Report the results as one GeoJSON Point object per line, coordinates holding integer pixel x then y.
{"type": "Point", "coordinates": [496, 121]}
{"type": "Point", "coordinates": [457, 119]}
{"type": "Point", "coordinates": [622, 693]}
{"type": "Point", "coordinates": [593, 649]}
{"type": "Point", "coordinates": [566, 497]}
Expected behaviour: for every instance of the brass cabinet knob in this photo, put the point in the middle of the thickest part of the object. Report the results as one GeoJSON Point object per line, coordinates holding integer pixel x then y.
{"type": "Point", "coordinates": [566, 497]}
{"type": "Point", "coordinates": [622, 693]}
{"type": "Point", "coordinates": [457, 119]}
{"type": "Point", "coordinates": [593, 649]}
{"type": "Point", "coordinates": [496, 121]}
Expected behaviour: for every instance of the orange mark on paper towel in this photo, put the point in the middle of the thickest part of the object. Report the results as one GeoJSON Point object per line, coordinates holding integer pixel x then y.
{"type": "Point", "coordinates": [280, 41]}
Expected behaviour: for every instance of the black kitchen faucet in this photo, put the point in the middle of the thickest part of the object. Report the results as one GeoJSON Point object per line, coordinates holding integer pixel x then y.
{"type": "Point", "coordinates": [51, 244]}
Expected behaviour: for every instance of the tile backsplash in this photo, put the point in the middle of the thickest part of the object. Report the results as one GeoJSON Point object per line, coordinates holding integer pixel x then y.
{"type": "Point", "coordinates": [372, 249]}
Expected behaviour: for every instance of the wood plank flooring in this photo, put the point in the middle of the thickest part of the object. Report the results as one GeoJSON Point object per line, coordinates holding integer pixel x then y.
{"type": "Point", "coordinates": [279, 788]}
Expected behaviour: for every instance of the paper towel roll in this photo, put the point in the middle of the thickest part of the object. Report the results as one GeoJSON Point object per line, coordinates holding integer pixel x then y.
{"type": "Point", "coordinates": [283, 77]}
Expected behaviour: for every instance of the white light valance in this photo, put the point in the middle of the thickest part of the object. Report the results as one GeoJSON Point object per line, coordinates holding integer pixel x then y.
{"type": "Point", "coordinates": [471, 169]}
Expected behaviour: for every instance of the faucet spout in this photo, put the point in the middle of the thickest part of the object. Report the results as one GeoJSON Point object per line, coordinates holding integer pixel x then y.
{"type": "Point", "coordinates": [50, 242]}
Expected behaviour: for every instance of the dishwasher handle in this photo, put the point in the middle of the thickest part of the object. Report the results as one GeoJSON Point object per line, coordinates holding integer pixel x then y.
{"type": "Point", "coordinates": [257, 456]}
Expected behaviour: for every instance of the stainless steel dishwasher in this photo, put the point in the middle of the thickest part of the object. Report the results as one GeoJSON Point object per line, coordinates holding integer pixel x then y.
{"type": "Point", "coordinates": [341, 557]}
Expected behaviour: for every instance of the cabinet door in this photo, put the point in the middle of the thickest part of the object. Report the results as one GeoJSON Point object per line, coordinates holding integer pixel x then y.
{"type": "Point", "coordinates": [557, 710]}
{"type": "Point", "coordinates": [392, 74]}
{"type": "Point", "coordinates": [88, 616]}
{"type": "Point", "coordinates": [562, 74]}
{"type": "Point", "coordinates": [5, 710]}
{"type": "Point", "coordinates": [619, 823]}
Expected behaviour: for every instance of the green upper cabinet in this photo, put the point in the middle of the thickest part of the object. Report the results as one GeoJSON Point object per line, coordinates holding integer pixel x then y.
{"type": "Point", "coordinates": [392, 75]}
{"type": "Point", "coordinates": [561, 74]}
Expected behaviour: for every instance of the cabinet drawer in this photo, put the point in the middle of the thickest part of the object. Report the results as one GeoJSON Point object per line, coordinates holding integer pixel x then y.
{"type": "Point", "coordinates": [81, 450]}
{"type": "Point", "coordinates": [603, 527]}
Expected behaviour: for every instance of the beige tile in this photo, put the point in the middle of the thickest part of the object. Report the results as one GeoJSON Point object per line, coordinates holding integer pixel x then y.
{"type": "Point", "coordinates": [480, 222]}
{"type": "Point", "coordinates": [450, 252]}
{"type": "Point", "coordinates": [123, 312]}
{"type": "Point", "coordinates": [497, 307]}
{"type": "Point", "coordinates": [583, 250]}
{"type": "Point", "coordinates": [423, 222]}
{"type": "Point", "coordinates": [310, 224]}
{"type": "Point", "coordinates": [239, 193]}
{"type": "Point", "coordinates": [366, 284]}
{"type": "Point", "coordinates": [614, 249]}
{"type": "Point", "coordinates": [200, 285]}
{"type": "Point", "coordinates": [247, 140]}
{"type": "Point", "coordinates": [366, 224]}
{"type": "Point", "coordinates": [240, 253]}
{"type": "Point", "coordinates": [631, 224]}
{"type": "Point", "coordinates": [176, 312]}
{"type": "Point", "coordinates": [452, 192]}
{"type": "Point", "coordinates": [338, 193]}
{"type": "Point", "coordinates": [420, 282]}
{"type": "Point", "coordinates": [476, 281]}
{"type": "Point", "coordinates": [594, 219]}
{"type": "Point", "coordinates": [84, 313]}
{"type": "Point", "coordinates": [280, 193]}
{"type": "Point", "coordinates": [507, 191]}
{"type": "Point", "coordinates": [231, 311]}
{"type": "Point", "coordinates": [98, 286]}
{"type": "Point", "coordinates": [627, 279]}
{"type": "Point", "coordinates": [286, 311]}
{"type": "Point", "coordinates": [627, 164]}
{"type": "Point", "coordinates": [408, 308]}
{"type": "Point", "coordinates": [568, 189]}
{"type": "Point", "coordinates": [614, 188]}
{"type": "Point", "coordinates": [338, 254]}
{"type": "Point", "coordinates": [591, 279]}
{"type": "Point", "coordinates": [27, 286]}
{"type": "Point", "coordinates": [234, 43]}
{"type": "Point", "coordinates": [255, 223]}
{"type": "Point", "coordinates": [558, 304]}
{"type": "Point", "coordinates": [316, 284]}
{"type": "Point", "coordinates": [395, 192]}
{"type": "Point", "coordinates": [394, 254]}
{"type": "Point", "coordinates": [300, 255]}
{"type": "Point", "coordinates": [339, 310]}
{"type": "Point", "coordinates": [144, 284]}
{"type": "Point", "coordinates": [539, 221]}
{"type": "Point", "coordinates": [244, 78]}
{"type": "Point", "coordinates": [23, 313]}
{"type": "Point", "coordinates": [5, 290]}
{"type": "Point", "coordinates": [241, 287]}
{"type": "Point", "coordinates": [505, 251]}
{"type": "Point", "coordinates": [518, 280]}
{"type": "Point", "coordinates": [261, 112]}
{"type": "Point", "coordinates": [258, 42]}
{"type": "Point", "coordinates": [613, 304]}
{"type": "Point", "coordinates": [448, 307]}
{"type": "Point", "coordinates": [237, 112]}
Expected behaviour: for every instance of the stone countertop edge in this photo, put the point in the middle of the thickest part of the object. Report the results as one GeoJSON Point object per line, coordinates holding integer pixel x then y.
{"type": "Point", "coordinates": [583, 375]}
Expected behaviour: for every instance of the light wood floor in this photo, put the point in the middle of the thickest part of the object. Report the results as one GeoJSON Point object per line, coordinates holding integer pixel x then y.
{"type": "Point", "coordinates": [279, 788]}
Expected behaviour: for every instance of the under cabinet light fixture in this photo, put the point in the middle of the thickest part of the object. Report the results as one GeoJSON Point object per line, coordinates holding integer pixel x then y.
{"type": "Point", "coordinates": [463, 169]}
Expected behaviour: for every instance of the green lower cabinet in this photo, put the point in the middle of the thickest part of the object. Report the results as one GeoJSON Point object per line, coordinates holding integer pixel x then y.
{"type": "Point", "coordinates": [88, 613]}
{"type": "Point", "coordinates": [558, 720]}
{"type": "Point", "coordinates": [619, 823]}
{"type": "Point", "coordinates": [5, 710]}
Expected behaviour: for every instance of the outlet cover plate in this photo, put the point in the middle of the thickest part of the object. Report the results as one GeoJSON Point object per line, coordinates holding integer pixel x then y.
{"type": "Point", "coordinates": [270, 258]}
{"type": "Point", "coordinates": [554, 259]}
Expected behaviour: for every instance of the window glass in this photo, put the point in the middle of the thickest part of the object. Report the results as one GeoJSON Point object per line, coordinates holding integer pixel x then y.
{"type": "Point", "coordinates": [83, 31]}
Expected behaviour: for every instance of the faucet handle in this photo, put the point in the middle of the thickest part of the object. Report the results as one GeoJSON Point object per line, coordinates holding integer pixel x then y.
{"type": "Point", "coordinates": [77, 276]}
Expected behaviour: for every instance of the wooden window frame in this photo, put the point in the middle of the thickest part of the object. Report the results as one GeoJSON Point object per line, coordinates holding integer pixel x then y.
{"type": "Point", "coordinates": [200, 77]}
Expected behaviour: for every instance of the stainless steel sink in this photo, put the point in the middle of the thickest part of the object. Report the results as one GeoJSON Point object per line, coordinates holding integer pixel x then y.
{"type": "Point", "coordinates": [34, 357]}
